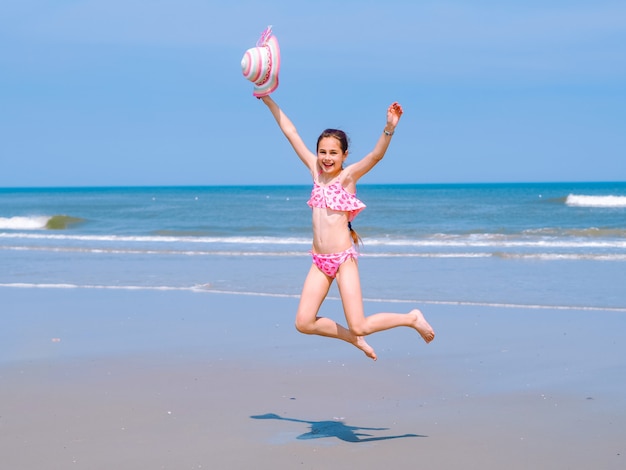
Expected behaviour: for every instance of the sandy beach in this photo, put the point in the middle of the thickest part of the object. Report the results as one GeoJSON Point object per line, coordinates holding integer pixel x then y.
{"type": "Point", "coordinates": [102, 379]}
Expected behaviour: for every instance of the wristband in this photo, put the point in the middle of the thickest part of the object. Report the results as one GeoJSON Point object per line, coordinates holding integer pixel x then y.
{"type": "Point", "coordinates": [388, 133]}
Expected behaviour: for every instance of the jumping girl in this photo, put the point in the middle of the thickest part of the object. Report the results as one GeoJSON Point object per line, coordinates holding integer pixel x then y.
{"type": "Point", "coordinates": [334, 205]}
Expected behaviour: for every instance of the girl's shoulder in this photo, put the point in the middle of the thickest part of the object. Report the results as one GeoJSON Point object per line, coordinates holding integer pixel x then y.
{"type": "Point", "coordinates": [347, 179]}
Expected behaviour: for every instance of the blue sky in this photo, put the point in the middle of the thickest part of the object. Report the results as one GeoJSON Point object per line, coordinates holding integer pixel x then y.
{"type": "Point", "coordinates": [130, 92]}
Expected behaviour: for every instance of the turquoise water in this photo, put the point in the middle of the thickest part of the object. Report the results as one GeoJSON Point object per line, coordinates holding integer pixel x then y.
{"type": "Point", "coordinates": [502, 244]}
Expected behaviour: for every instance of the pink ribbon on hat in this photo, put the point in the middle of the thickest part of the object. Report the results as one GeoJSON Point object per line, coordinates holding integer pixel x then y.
{"type": "Point", "coordinates": [265, 36]}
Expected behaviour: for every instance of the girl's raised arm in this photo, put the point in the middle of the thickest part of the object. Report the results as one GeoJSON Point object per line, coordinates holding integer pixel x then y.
{"type": "Point", "coordinates": [290, 131]}
{"type": "Point", "coordinates": [358, 169]}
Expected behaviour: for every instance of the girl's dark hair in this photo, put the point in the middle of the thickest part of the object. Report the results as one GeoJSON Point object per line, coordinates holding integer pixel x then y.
{"type": "Point", "coordinates": [342, 137]}
{"type": "Point", "coordinates": [355, 236]}
{"type": "Point", "coordinates": [338, 134]}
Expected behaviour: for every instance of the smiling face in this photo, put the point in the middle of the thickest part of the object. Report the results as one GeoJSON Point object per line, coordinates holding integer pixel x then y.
{"type": "Point", "coordinates": [330, 156]}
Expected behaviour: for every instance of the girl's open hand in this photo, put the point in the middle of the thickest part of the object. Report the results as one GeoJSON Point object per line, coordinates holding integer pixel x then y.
{"type": "Point", "coordinates": [394, 112]}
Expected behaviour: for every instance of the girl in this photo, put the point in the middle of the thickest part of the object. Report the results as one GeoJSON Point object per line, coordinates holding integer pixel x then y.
{"type": "Point", "coordinates": [334, 205]}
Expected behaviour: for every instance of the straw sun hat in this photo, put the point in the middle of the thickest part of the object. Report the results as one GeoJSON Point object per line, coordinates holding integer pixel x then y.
{"type": "Point", "coordinates": [261, 64]}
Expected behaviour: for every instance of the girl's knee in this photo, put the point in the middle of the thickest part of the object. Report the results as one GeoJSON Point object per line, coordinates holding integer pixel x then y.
{"type": "Point", "coordinates": [359, 329]}
{"type": "Point", "coordinates": [304, 327]}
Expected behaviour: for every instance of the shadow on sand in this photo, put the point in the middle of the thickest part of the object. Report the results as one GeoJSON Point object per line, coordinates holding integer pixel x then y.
{"type": "Point", "coordinates": [322, 429]}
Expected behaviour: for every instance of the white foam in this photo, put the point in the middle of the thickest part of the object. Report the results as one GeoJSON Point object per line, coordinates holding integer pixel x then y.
{"type": "Point", "coordinates": [159, 239]}
{"type": "Point", "coordinates": [436, 242]}
{"type": "Point", "coordinates": [24, 223]}
{"type": "Point", "coordinates": [25, 285]}
{"type": "Point", "coordinates": [498, 240]}
{"type": "Point", "coordinates": [209, 290]}
{"type": "Point", "coordinates": [581, 200]}
{"type": "Point", "coordinates": [565, 256]}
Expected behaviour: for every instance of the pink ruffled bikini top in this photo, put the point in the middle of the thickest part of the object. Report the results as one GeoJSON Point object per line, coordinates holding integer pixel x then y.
{"type": "Point", "coordinates": [335, 197]}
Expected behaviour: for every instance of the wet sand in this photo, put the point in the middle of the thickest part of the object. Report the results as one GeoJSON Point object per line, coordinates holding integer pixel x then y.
{"type": "Point", "coordinates": [100, 379]}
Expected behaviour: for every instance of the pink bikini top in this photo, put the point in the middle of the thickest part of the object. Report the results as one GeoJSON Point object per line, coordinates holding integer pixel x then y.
{"type": "Point", "coordinates": [335, 197]}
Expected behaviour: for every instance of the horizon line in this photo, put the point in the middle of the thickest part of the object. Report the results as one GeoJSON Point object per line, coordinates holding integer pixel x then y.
{"type": "Point", "coordinates": [257, 185]}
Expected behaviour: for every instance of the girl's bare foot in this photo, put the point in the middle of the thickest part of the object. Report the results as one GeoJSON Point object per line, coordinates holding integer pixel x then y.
{"type": "Point", "coordinates": [366, 348]}
{"type": "Point", "coordinates": [422, 326]}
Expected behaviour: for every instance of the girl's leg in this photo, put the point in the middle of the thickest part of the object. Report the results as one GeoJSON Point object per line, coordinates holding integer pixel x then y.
{"type": "Point", "coordinates": [350, 289]}
{"type": "Point", "coordinates": [314, 292]}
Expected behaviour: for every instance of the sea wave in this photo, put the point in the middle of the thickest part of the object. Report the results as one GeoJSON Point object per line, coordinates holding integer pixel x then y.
{"type": "Point", "coordinates": [206, 288]}
{"type": "Point", "coordinates": [140, 251]}
{"type": "Point", "coordinates": [563, 256]}
{"type": "Point", "coordinates": [590, 232]}
{"type": "Point", "coordinates": [38, 222]}
{"type": "Point", "coordinates": [582, 200]}
{"type": "Point", "coordinates": [255, 240]}
{"type": "Point", "coordinates": [24, 223]}
{"type": "Point", "coordinates": [544, 256]}
{"type": "Point", "coordinates": [238, 253]}
{"type": "Point", "coordinates": [488, 241]}
{"type": "Point", "coordinates": [542, 238]}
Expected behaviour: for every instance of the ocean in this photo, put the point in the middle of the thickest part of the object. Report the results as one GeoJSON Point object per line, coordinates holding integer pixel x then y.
{"type": "Point", "coordinates": [499, 245]}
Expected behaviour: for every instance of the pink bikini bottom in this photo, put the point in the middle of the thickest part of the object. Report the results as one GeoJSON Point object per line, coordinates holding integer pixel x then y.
{"type": "Point", "coordinates": [329, 263]}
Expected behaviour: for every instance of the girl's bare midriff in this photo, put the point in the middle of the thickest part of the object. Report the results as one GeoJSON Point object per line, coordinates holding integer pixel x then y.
{"type": "Point", "coordinates": [330, 231]}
